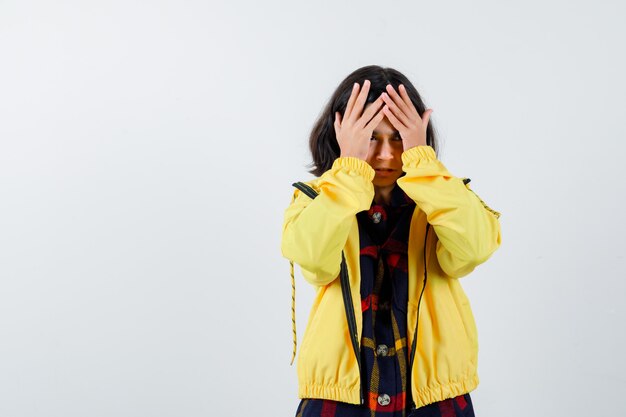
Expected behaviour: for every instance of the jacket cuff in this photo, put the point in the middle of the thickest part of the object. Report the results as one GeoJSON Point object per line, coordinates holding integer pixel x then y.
{"type": "Point", "coordinates": [421, 161]}
{"type": "Point", "coordinates": [354, 166]}
{"type": "Point", "coordinates": [411, 157]}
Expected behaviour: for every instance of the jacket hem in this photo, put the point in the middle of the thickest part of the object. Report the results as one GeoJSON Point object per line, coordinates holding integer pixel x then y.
{"type": "Point", "coordinates": [331, 392]}
{"type": "Point", "coordinates": [440, 392]}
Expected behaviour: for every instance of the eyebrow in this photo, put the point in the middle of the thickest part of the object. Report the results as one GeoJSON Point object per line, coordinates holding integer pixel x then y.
{"type": "Point", "coordinates": [394, 133]}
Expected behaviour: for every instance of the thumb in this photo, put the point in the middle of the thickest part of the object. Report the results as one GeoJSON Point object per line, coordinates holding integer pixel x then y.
{"type": "Point", "coordinates": [337, 123]}
{"type": "Point", "coordinates": [426, 117]}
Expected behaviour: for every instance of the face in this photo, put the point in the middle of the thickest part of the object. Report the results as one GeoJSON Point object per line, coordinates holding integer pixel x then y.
{"type": "Point", "coordinates": [385, 154]}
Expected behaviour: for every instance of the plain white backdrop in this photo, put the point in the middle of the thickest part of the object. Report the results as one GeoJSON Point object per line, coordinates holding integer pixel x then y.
{"type": "Point", "coordinates": [147, 151]}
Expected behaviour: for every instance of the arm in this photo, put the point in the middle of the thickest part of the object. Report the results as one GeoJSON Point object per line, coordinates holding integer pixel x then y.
{"type": "Point", "coordinates": [468, 231]}
{"type": "Point", "coordinates": [315, 231]}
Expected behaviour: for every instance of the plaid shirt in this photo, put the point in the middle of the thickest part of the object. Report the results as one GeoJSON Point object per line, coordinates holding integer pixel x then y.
{"type": "Point", "coordinates": [383, 234]}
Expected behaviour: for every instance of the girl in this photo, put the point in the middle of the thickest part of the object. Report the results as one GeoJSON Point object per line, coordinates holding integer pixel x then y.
{"type": "Point", "coordinates": [384, 234]}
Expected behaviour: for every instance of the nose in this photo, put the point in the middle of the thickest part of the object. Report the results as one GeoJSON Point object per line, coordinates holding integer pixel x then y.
{"type": "Point", "coordinates": [385, 151]}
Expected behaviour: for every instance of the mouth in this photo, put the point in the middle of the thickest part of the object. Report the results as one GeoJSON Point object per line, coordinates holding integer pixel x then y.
{"type": "Point", "coordinates": [384, 171]}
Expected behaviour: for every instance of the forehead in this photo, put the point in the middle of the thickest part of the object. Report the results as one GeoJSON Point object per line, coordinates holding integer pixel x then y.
{"type": "Point", "coordinates": [385, 131]}
{"type": "Point", "coordinates": [385, 128]}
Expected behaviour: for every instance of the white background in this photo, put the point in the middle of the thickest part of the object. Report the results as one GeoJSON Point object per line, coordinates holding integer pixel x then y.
{"type": "Point", "coordinates": [147, 151]}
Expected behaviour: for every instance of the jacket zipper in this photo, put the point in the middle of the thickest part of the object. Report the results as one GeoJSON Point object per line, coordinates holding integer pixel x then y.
{"type": "Point", "coordinates": [347, 301]}
{"type": "Point", "coordinates": [414, 343]}
{"type": "Point", "coordinates": [347, 295]}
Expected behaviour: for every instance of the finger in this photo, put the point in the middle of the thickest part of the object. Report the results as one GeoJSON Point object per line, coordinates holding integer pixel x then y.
{"type": "Point", "coordinates": [407, 99]}
{"type": "Point", "coordinates": [372, 109]}
{"type": "Point", "coordinates": [400, 127]}
{"type": "Point", "coordinates": [351, 100]}
{"type": "Point", "coordinates": [400, 102]}
{"type": "Point", "coordinates": [360, 100]}
{"type": "Point", "coordinates": [371, 125]}
{"type": "Point", "coordinates": [399, 113]}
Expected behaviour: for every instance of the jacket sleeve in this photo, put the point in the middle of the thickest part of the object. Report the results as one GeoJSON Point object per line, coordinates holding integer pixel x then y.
{"type": "Point", "coordinates": [315, 231]}
{"type": "Point", "coordinates": [468, 231]}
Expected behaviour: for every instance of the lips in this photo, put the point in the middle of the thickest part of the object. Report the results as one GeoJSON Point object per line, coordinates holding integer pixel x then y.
{"type": "Point", "coordinates": [385, 172]}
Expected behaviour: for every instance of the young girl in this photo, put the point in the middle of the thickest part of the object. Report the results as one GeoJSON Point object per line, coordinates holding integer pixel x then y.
{"type": "Point", "coordinates": [384, 234]}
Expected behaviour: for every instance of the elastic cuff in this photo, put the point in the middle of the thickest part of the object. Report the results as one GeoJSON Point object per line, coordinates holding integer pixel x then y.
{"type": "Point", "coordinates": [418, 153]}
{"type": "Point", "coordinates": [354, 166]}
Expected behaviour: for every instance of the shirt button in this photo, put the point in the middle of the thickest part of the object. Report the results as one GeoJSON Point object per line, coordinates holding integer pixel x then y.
{"type": "Point", "coordinates": [384, 399]}
{"type": "Point", "coordinates": [382, 350]}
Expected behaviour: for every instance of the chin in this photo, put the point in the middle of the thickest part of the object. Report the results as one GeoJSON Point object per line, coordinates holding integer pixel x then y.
{"type": "Point", "coordinates": [383, 182]}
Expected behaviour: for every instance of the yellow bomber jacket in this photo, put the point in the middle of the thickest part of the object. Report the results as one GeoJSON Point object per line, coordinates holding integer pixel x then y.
{"type": "Point", "coordinates": [317, 230]}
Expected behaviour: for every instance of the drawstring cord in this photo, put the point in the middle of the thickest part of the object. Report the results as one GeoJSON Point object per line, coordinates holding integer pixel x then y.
{"type": "Point", "coordinates": [293, 312]}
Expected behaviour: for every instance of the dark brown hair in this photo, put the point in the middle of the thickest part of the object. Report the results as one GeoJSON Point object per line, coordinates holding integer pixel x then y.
{"type": "Point", "coordinates": [323, 141]}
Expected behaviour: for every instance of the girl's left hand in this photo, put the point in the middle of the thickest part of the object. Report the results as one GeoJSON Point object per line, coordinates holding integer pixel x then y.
{"type": "Point", "coordinates": [404, 117]}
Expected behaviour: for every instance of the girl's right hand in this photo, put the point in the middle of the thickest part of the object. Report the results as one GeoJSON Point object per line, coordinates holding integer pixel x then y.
{"type": "Point", "coordinates": [355, 130]}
